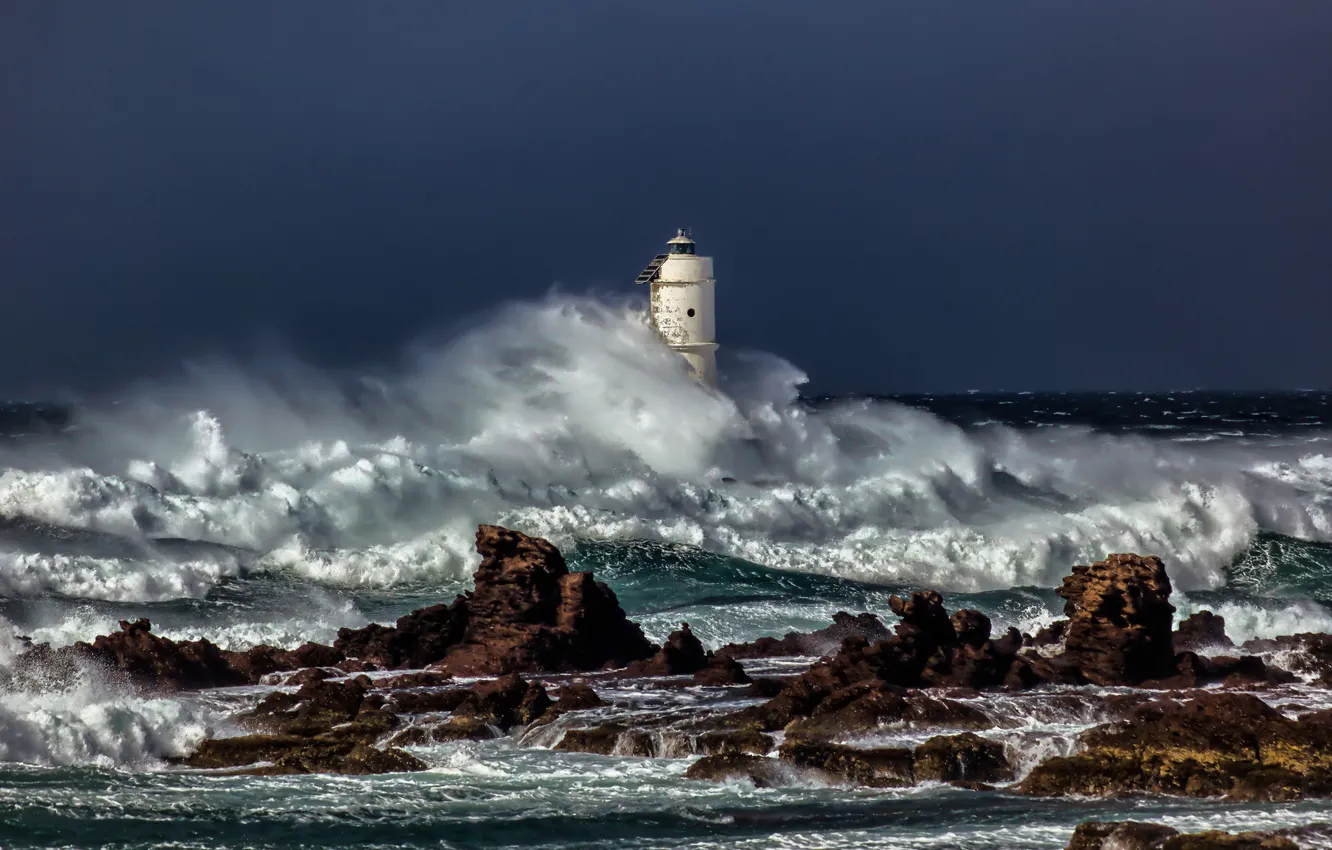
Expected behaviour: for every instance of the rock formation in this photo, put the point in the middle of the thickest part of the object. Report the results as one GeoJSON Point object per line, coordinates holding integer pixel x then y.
{"type": "Point", "coordinates": [1119, 620]}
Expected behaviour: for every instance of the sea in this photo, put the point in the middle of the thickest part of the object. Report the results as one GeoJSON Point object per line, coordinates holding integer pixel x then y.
{"type": "Point", "coordinates": [271, 501]}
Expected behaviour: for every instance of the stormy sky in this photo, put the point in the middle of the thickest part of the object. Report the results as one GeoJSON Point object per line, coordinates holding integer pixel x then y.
{"type": "Point", "coordinates": [899, 195]}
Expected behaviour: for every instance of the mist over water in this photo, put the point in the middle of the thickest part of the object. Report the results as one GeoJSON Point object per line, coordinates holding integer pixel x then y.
{"type": "Point", "coordinates": [565, 418]}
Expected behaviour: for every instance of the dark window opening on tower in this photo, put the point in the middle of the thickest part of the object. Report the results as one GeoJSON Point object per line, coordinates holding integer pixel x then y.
{"type": "Point", "coordinates": [682, 248]}
{"type": "Point", "coordinates": [690, 312]}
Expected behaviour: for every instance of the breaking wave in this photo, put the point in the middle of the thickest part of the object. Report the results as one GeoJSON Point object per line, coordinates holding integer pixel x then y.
{"type": "Point", "coordinates": [89, 721]}
{"type": "Point", "coordinates": [565, 418]}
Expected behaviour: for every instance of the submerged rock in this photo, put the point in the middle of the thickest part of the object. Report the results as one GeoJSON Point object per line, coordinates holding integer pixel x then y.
{"type": "Point", "coordinates": [275, 755]}
{"type": "Point", "coordinates": [1132, 835]}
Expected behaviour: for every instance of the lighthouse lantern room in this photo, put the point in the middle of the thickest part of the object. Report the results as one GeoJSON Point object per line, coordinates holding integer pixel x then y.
{"type": "Point", "coordinates": [682, 304]}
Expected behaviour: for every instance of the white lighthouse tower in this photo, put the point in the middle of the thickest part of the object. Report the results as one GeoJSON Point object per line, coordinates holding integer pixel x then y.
{"type": "Point", "coordinates": [683, 304]}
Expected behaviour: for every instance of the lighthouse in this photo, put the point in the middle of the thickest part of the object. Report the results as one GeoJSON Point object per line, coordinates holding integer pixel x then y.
{"type": "Point", "coordinates": [682, 304]}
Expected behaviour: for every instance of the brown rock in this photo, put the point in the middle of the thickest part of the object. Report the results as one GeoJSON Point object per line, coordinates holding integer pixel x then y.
{"type": "Point", "coordinates": [309, 675]}
{"type": "Point", "coordinates": [681, 655]}
{"type": "Point", "coordinates": [505, 702]}
{"type": "Point", "coordinates": [609, 739]}
{"type": "Point", "coordinates": [418, 639]}
{"type": "Point", "coordinates": [1309, 653]}
{"type": "Point", "coordinates": [962, 758]}
{"type": "Point", "coordinates": [877, 768]}
{"type": "Point", "coordinates": [529, 613]}
{"type": "Point", "coordinates": [762, 772]}
{"type": "Point", "coordinates": [1120, 617]}
{"type": "Point", "coordinates": [722, 670]}
{"type": "Point", "coordinates": [572, 697]}
{"type": "Point", "coordinates": [1215, 744]}
{"type": "Point", "coordinates": [734, 741]}
{"type": "Point", "coordinates": [1119, 835]}
{"type": "Point", "coordinates": [862, 709]}
{"type": "Point", "coordinates": [161, 663]}
{"type": "Point", "coordinates": [1051, 635]}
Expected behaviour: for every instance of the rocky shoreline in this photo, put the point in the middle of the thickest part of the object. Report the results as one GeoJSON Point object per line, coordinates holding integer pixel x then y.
{"type": "Point", "coordinates": [542, 654]}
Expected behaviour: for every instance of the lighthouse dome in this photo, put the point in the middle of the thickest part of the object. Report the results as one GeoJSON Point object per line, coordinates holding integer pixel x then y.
{"type": "Point", "coordinates": [681, 244]}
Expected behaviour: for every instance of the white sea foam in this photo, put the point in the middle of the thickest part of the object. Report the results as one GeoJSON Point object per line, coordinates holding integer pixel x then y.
{"type": "Point", "coordinates": [92, 723]}
{"type": "Point", "coordinates": [565, 418]}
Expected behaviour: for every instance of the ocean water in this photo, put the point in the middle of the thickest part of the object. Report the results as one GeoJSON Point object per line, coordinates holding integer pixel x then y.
{"type": "Point", "coordinates": [270, 502]}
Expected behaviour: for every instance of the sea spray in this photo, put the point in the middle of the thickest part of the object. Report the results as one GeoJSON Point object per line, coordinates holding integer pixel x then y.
{"type": "Point", "coordinates": [565, 418]}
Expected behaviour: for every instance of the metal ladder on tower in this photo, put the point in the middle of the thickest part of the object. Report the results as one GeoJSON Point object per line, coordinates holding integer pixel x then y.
{"type": "Point", "coordinates": [653, 269]}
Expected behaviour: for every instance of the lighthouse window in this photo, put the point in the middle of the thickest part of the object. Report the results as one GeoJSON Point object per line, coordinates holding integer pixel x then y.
{"type": "Point", "coordinates": [690, 312]}
{"type": "Point", "coordinates": [682, 248]}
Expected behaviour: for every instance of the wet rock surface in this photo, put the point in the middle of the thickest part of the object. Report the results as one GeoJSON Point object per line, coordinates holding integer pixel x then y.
{"type": "Point", "coordinates": [1211, 745]}
{"type": "Point", "coordinates": [815, 643]}
{"type": "Point", "coordinates": [1119, 620]}
{"type": "Point", "coordinates": [930, 699]}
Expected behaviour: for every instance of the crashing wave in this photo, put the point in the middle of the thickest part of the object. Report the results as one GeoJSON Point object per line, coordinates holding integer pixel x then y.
{"type": "Point", "coordinates": [566, 418]}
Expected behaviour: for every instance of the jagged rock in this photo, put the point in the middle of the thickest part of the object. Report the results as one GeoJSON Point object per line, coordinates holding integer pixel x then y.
{"type": "Point", "coordinates": [41, 669]}
{"type": "Point", "coordinates": [1119, 620]}
{"type": "Point", "coordinates": [162, 663]}
{"type": "Point", "coordinates": [506, 702]}
{"type": "Point", "coordinates": [427, 701]}
{"type": "Point", "coordinates": [528, 613]}
{"type": "Point", "coordinates": [325, 727]}
{"type": "Point", "coordinates": [1119, 835]}
{"type": "Point", "coordinates": [1193, 671]}
{"type": "Point", "coordinates": [816, 643]}
{"type": "Point", "coordinates": [1215, 744]}
{"type": "Point", "coordinates": [722, 670]}
{"type": "Point", "coordinates": [681, 655]}
{"type": "Point", "coordinates": [962, 758]}
{"type": "Point", "coordinates": [264, 660]}
{"type": "Point", "coordinates": [1203, 630]}
{"type": "Point", "coordinates": [1309, 654]}
{"type": "Point", "coordinates": [418, 639]}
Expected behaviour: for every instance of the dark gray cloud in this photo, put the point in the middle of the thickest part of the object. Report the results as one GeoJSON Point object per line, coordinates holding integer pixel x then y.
{"type": "Point", "coordinates": [898, 195]}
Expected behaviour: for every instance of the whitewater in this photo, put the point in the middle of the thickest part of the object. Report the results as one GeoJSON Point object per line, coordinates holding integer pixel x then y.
{"type": "Point", "coordinates": [270, 501]}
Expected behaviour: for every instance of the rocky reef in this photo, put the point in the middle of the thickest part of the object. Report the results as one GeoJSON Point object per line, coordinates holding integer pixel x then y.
{"type": "Point", "coordinates": [547, 658]}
